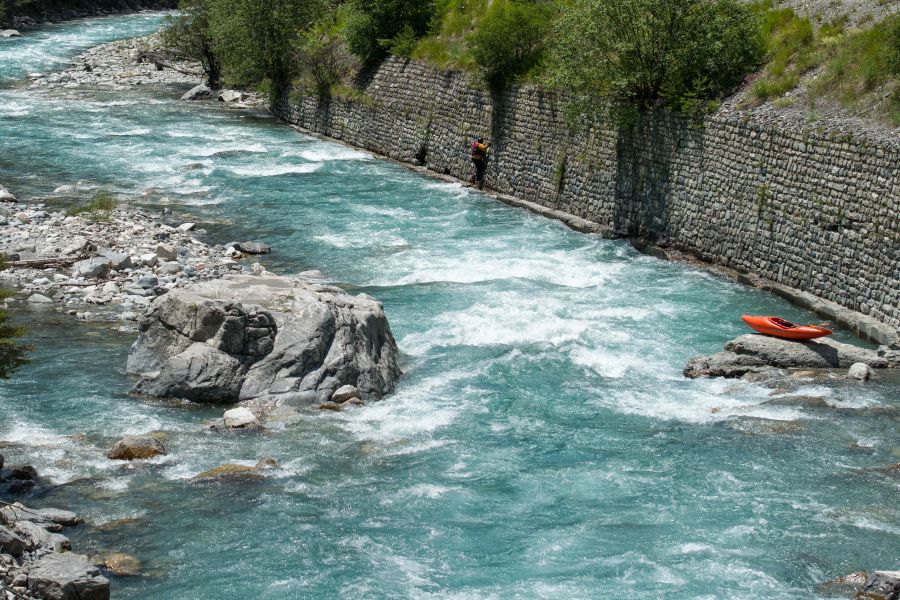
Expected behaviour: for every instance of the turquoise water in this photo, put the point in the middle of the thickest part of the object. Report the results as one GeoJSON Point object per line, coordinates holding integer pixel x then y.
{"type": "Point", "coordinates": [542, 444]}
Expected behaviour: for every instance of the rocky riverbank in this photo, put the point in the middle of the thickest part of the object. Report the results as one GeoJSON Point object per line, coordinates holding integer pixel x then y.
{"type": "Point", "coordinates": [140, 61]}
{"type": "Point", "coordinates": [106, 264]}
{"type": "Point", "coordinates": [36, 561]}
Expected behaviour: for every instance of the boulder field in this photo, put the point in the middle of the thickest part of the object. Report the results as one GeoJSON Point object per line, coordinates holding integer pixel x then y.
{"type": "Point", "coordinates": [264, 340]}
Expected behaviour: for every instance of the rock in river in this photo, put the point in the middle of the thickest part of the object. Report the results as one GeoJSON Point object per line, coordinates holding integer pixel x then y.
{"type": "Point", "coordinates": [133, 447]}
{"type": "Point", "coordinates": [266, 339]}
{"type": "Point", "coordinates": [239, 418]}
{"type": "Point", "coordinates": [754, 353]}
{"type": "Point", "coordinates": [67, 576]}
{"type": "Point", "coordinates": [198, 92]}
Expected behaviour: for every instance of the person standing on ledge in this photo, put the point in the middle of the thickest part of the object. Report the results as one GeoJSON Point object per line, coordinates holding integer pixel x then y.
{"type": "Point", "coordinates": [479, 158]}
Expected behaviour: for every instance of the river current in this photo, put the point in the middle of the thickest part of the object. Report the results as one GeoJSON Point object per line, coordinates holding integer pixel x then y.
{"type": "Point", "coordinates": [542, 444]}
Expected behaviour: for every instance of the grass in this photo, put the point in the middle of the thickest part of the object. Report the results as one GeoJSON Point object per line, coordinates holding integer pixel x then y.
{"type": "Point", "coordinates": [862, 70]}
{"type": "Point", "coordinates": [98, 209]}
{"type": "Point", "coordinates": [346, 92]}
{"type": "Point", "coordinates": [793, 46]}
{"type": "Point", "coordinates": [860, 67]}
{"type": "Point", "coordinates": [447, 46]}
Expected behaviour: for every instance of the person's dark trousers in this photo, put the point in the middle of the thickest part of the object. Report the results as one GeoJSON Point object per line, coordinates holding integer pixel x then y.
{"type": "Point", "coordinates": [479, 172]}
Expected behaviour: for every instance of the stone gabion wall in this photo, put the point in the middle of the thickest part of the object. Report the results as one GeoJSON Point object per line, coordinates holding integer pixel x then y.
{"type": "Point", "coordinates": [810, 209]}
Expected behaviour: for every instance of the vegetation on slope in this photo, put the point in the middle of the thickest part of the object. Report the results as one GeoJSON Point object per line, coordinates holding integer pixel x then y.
{"type": "Point", "coordinates": [858, 67]}
{"type": "Point", "coordinates": [615, 57]}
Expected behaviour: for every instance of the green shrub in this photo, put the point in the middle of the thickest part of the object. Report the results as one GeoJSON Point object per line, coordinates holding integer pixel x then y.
{"type": "Point", "coordinates": [374, 27]}
{"type": "Point", "coordinates": [189, 36]}
{"type": "Point", "coordinates": [621, 57]}
{"type": "Point", "coordinates": [255, 39]}
{"type": "Point", "coordinates": [723, 44]}
{"type": "Point", "coordinates": [323, 59]}
{"type": "Point", "coordinates": [97, 209]}
{"type": "Point", "coordinates": [510, 40]}
{"type": "Point", "coordinates": [792, 50]}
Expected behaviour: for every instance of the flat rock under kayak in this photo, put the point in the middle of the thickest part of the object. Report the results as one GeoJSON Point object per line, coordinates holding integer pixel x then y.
{"type": "Point", "coordinates": [779, 327]}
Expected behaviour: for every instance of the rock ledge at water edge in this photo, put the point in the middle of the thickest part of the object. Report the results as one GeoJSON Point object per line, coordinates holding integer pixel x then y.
{"type": "Point", "coordinates": [267, 340]}
{"type": "Point", "coordinates": [754, 353]}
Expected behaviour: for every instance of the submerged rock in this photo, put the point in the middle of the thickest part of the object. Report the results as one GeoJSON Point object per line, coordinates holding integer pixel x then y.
{"type": "Point", "coordinates": [238, 471]}
{"type": "Point", "coordinates": [264, 339]}
{"type": "Point", "coordinates": [754, 353]}
{"type": "Point", "coordinates": [135, 447]}
{"type": "Point", "coordinates": [119, 563]}
{"type": "Point", "coordinates": [253, 247]}
{"type": "Point", "coordinates": [67, 576]}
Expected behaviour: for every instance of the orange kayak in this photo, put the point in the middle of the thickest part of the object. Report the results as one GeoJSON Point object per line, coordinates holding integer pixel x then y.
{"type": "Point", "coordinates": [778, 327]}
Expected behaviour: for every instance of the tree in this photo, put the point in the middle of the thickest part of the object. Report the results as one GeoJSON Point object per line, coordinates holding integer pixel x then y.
{"type": "Point", "coordinates": [621, 57]}
{"type": "Point", "coordinates": [12, 354]}
{"type": "Point", "coordinates": [374, 26]}
{"type": "Point", "coordinates": [511, 39]}
{"type": "Point", "coordinates": [255, 39]}
{"type": "Point", "coordinates": [188, 35]}
{"type": "Point", "coordinates": [323, 58]}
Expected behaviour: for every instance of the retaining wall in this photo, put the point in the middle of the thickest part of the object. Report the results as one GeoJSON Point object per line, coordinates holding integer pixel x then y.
{"type": "Point", "coordinates": [806, 208]}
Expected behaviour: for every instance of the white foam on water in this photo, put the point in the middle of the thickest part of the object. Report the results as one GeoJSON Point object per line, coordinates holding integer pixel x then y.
{"type": "Point", "coordinates": [274, 171]}
{"type": "Point", "coordinates": [692, 548]}
{"type": "Point", "coordinates": [703, 402]}
{"type": "Point", "coordinates": [385, 211]}
{"type": "Point", "coordinates": [476, 266]}
{"type": "Point", "coordinates": [136, 132]}
{"type": "Point", "coordinates": [14, 109]}
{"type": "Point", "coordinates": [357, 239]}
{"type": "Point", "coordinates": [613, 364]}
{"type": "Point", "coordinates": [429, 491]}
{"type": "Point", "coordinates": [331, 152]}
{"type": "Point", "coordinates": [59, 458]}
{"type": "Point", "coordinates": [416, 409]}
{"type": "Point", "coordinates": [502, 318]}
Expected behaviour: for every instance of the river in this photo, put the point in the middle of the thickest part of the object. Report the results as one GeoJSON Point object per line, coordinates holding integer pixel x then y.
{"type": "Point", "coordinates": [542, 444]}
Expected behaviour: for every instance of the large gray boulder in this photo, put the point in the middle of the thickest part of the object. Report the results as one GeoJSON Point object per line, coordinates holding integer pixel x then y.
{"type": "Point", "coordinates": [67, 576]}
{"type": "Point", "coordinates": [266, 340]}
{"type": "Point", "coordinates": [753, 353]}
